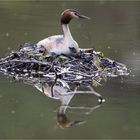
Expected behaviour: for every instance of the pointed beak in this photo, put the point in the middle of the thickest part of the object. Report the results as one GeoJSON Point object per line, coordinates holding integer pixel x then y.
{"type": "Point", "coordinates": [74, 123]}
{"type": "Point", "coordinates": [83, 17]}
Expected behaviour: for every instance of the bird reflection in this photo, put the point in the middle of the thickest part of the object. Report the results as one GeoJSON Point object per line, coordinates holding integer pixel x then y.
{"type": "Point", "coordinates": [65, 95]}
{"type": "Point", "coordinates": [64, 122]}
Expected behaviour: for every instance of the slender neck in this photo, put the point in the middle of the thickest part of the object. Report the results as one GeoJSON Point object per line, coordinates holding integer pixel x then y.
{"type": "Point", "coordinates": [66, 31]}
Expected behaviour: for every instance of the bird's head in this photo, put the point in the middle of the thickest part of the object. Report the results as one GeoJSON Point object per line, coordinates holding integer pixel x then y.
{"type": "Point", "coordinates": [64, 122]}
{"type": "Point", "coordinates": [69, 14]}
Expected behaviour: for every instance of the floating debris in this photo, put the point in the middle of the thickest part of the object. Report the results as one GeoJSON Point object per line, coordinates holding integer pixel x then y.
{"type": "Point", "coordinates": [7, 34]}
{"type": "Point", "coordinates": [13, 111]}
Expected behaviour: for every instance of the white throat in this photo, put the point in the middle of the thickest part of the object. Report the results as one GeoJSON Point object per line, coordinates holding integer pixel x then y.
{"type": "Point", "coordinates": [66, 31]}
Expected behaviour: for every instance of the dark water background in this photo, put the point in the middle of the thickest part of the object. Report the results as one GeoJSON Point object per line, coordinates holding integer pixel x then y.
{"type": "Point", "coordinates": [114, 29]}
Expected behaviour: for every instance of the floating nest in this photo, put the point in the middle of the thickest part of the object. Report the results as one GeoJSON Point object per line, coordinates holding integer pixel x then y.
{"type": "Point", "coordinates": [82, 69]}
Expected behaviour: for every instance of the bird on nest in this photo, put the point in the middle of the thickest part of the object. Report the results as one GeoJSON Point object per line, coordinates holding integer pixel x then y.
{"type": "Point", "coordinates": [61, 44]}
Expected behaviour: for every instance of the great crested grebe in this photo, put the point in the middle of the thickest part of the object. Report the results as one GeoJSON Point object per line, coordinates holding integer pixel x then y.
{"type": "Point", "coordinates": [62, 44]}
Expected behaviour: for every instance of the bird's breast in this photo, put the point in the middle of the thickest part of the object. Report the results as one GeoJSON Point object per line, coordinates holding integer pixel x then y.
{"type": "Point", "coordinates": [58, 45]}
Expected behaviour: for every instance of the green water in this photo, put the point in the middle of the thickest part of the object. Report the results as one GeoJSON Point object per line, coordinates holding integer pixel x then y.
{"type": "Point", "coordinates": [114, 29]}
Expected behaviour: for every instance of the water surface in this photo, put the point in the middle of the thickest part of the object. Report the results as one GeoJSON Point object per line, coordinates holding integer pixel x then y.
{"type": "Point", "coordinates": [113, 29]}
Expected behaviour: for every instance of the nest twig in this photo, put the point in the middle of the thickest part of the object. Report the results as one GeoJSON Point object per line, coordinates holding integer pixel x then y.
{"type": "Point", "coordinates": [82, 69]}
